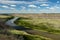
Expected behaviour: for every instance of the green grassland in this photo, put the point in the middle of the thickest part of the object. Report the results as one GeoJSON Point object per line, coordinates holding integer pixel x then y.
{"type": "Point", "coordinates": [4, 16]}
{"type": "Point", "coordinates": [12, 34]}
{"type": "Point", "coordinates": [39, 24]}
{"type": "Point", "coordinates": [27, 36]}
{"type": "Point", "coordinates": [49, 25]}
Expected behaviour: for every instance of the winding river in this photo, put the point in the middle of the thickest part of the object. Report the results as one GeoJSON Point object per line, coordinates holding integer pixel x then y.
{"type": "Point", "coordinates": [13, 25]}
{"type": "Point", "coordinates": [30, 31]}
{"type": "Point", "coordinates": [11, 22]}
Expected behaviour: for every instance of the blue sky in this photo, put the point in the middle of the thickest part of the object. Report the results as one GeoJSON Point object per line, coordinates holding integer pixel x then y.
{"type": "Point", "coordinates": [29, 6]}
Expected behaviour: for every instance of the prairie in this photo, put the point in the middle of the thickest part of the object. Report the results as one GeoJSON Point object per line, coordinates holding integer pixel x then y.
{"type": "Point", "coordinates": [46, 26]}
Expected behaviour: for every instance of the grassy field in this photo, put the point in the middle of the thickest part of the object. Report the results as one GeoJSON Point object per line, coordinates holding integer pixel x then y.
{"type": "Point", "coordinates": [11, 34]}
{"type": "Point", "coordinates": [4, 16]}
{"type": "Point", "coordinates": [49, 25]}
{"type": "Point", "coordinates": [27, 36]}
{"type": "Point", "coordinates": [7, 33]}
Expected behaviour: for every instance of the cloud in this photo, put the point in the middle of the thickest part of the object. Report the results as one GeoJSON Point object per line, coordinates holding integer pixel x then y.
{"type": "Point", "coordinates": [42, 0]}
{"type": "Point", "coordinates": [52, 8]}
{"type": "Point", "coordinates": [4, 0]}
{"type": "Point", "coordinates": [39, 7]}
{"type": "Point", "coordinates": [9, 11]}
{"type": "Point", "coordinates": [58, 2]}
{"type": "Point", "coordinates": [13, 8]}
{"type": "Point", "coordinates": [23, 7]}
{"type": "Point", "coordinates": [5, 6]}
{"type": "Point", "coordinates": [32, 6]}
{"type": "Point", "coordinates": [48, 7]}
{"type": "Point", "coordinates": [35, 5]}
{"type": "Point", "coordinates": [23, 2]}
{"type": "Point", "coordinates": [57, 7]}
{"type": "Point", "coordinates": [15, 2]}
{"type": "Point", "coordinates": [44, 5]}
{"type": "Point", "coordinates": [13, 5]}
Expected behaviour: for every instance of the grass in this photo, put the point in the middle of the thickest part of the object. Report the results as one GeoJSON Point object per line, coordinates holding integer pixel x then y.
{"type": "Point", "coordinates": [4, 16]}
{"type": "Point", "coordinates": [7, 37]}
{"type": "Point", "coordinates": [27, 36]}
{"type": "Point", "coordinates": [49, 25]}
{"type": "Point", "coordinates": [55, 22]}
{"type": "Point", "coordinates": [35, 37]}
{"type": "Point", "coordinates": [17, 32]}
{"type": "Point", "coordinates": [9, 34]}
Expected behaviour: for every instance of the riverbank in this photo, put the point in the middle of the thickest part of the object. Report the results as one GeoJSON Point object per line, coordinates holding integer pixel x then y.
{"type": "Point", "coordinates": [28, 23]}
{"type": "Point", "coordinates": [9, 32]}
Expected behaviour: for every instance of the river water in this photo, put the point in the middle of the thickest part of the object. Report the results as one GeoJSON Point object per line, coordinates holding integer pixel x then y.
{"type": "Point", "coordinates": [30, 31]}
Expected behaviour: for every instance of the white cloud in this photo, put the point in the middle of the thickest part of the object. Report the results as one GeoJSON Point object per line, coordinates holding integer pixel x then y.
{"type": "Point", "coordinates": [52, 8]}
{"type": "Point", "coordinates": [15, 2]}
{"type": "Point", "coordinates": [23, 2]}
{"type": "Point", "coordinates": [58, 2]}
{"type": "Point", "coordinates": [44, 5]}
{"type": "Point", "coordinates": [48, 7]}
{"type": "Point", "coordinates": [33, 6]}
{"type": "Point", "coordinates": [57, 7]}
{"type": "Point", "coordinates": [5, 6]}
{"type": "Point", "coordinates": [38, 7]}
{"type": "Point", "coordinates": [13, 5]}
{"type": "Point", "coordinates": [23, 7]}
{"type": "Point", "coordinates": [4, 0]}
{"type": "Point", "coordinates": [42, 0]}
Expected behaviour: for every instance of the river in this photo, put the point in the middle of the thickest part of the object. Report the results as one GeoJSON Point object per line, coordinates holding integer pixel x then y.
{"type": "Point", "coordinates": [30, 31]}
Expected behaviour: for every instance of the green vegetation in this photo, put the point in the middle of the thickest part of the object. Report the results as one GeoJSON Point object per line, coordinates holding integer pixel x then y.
{"type": "Point", "coordinates": [35, 37]}
{"type": "Point", "coordinates": [17, 32]}
{"type": "Point", "coordinates": [27, 36]}
{"type": "Point", "coordinates": [4, 16]}
{"type": "Point", "coordinates": [40, 24]}
{"type": "Point", "coordinates": [9, 18]}
{"type": "Point", "coordinates": [7, 37]}
{"type": "Point", "coordinates": [11, 34]}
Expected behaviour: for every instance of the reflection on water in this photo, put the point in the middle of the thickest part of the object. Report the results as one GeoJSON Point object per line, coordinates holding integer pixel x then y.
{"type": "Point", "coordinates": [13, 25]}
{"type": "Point", "coordinates": [11, 22]}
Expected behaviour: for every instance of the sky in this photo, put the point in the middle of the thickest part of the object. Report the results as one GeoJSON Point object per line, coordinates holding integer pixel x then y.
{"type": "Point", "coordinates": [29, 6]}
